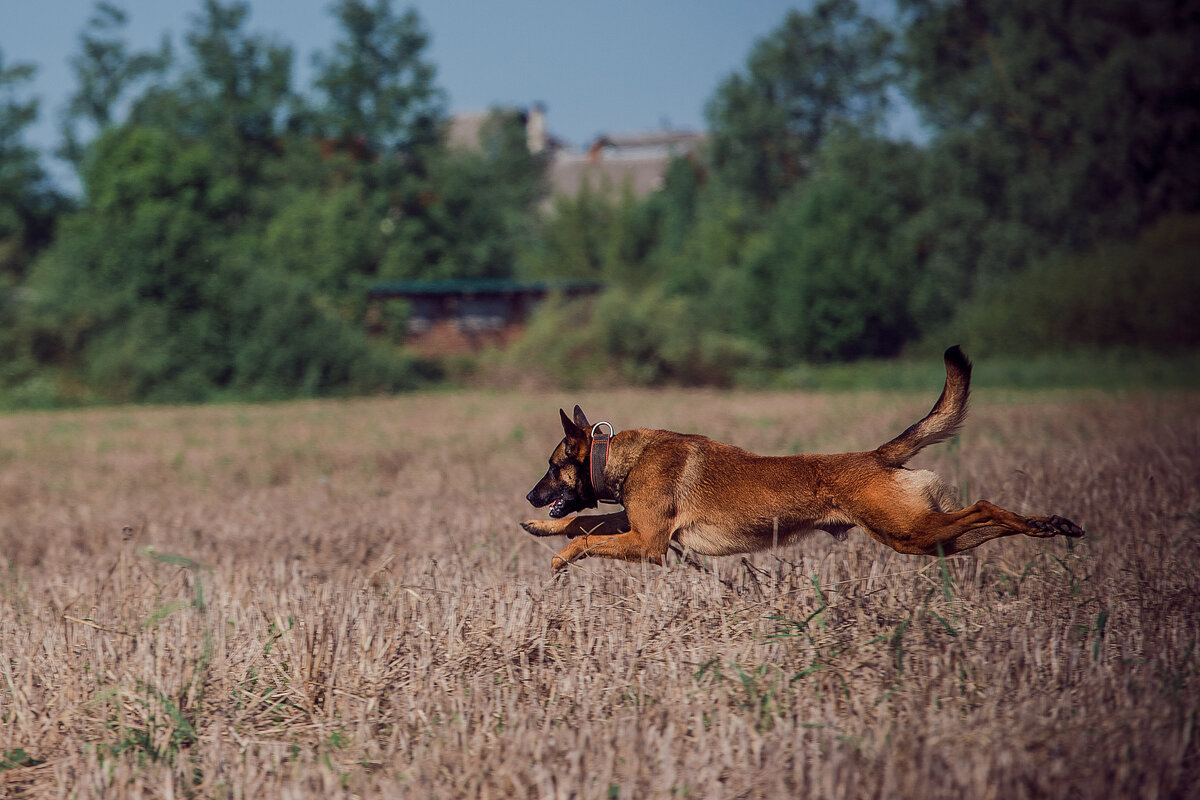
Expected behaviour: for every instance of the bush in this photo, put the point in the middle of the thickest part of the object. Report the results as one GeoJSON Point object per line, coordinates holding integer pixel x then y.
{"type": "Point", "coordinates": [1140, 294]}
{"type": "Point", "coordinates": [641, 337]}
{"type": "Point", "coordinates": [158, 291]}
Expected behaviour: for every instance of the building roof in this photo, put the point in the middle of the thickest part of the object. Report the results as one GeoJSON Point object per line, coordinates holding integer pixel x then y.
{"type": "Point", "coordinates": [463, 129]}
{"type": "Point", "coordinates": [612, 163]}
{"type": "Point", "coordinates": [615, 162]}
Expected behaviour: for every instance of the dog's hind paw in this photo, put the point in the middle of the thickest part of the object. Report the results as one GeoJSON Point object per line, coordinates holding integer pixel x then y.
{"type": "Point", "coordinates": [1055, 525]}
{"type": "Point", "coordinates": [1066, 527]}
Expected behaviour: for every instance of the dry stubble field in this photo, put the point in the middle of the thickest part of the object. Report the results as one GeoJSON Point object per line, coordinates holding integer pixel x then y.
{"type": "Point", "coordinates": [334, 599]}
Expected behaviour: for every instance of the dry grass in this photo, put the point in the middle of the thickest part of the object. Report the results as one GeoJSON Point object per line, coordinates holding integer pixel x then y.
{"type": "Point", "coordinates": [334, 599]}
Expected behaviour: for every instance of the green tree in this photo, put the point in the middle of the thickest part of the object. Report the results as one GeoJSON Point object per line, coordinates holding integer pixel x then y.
{"type": "Point", "coordinates": [392, 202]}
{"type": "Point", "coordinates": [486, 199]}
{"type": "Point", "coordinates": [571, 237]}
{"type": "Point", "coordinates": [1140, 293]}
{"type": "Point", "coordinates": [962, 237]}
{"type": "Point", "coordinates": [28, 203]}
{"type": "Point", "coordinates": [676, 203]}
{"type": "Point", "coordinates": [155, 290]}
{"type": "Point", "coordinates": [105, 73]}
{"type": "Point", "coordinates": [818, 71]}
{"type": "Point", "coordinates": [234, 91]}
{"type": "Point", "coordinates": [377, 87]}
{"type": "Point", "coordinates": [1080, 120]}
{"type": "Point", "coordinates": [330, 236]}
{"type": "Point", "coordinates": [830, 274]}
{"type": "Point", "coordinates": [29, 209]}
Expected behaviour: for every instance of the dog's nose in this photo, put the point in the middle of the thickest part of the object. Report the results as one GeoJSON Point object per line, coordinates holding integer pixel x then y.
{"type": "Point", "coordinates": [529, 497]}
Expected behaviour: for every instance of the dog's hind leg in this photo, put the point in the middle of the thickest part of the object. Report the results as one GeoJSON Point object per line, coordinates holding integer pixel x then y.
{"type": "Point", "coordinates": [955, 531]}
{"type": "Point", "coordinates": [916, 512]}
{"type": "Point", "coordinates": [588, 525]}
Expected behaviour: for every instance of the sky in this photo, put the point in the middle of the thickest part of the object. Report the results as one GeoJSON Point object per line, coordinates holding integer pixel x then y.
{"type": "Point", "coordinates": [614, 67]}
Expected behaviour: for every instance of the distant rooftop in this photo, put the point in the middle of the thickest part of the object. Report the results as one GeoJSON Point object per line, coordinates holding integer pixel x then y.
{"type": "Point", "coordinates": [610, 164]}
{"type": "Point", "coordinates": [637, 161]}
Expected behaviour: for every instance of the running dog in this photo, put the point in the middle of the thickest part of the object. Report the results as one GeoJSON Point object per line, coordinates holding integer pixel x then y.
{"type": "Point", "coordinates": [716, 499]}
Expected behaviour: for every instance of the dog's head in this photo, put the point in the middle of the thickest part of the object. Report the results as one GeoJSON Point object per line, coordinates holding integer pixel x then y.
{"type": "Point", "coordinates": [567, 484]}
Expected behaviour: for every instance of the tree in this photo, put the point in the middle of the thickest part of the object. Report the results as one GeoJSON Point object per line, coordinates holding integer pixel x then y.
{"type": "Point", "coordinates": [29, 208]}
{"type": "Point", "coordinates": [105, 72]}
{"type": "Point", "coordinates": [234, 91]}
{"type": "Point", "coordinates": [818, 71]}
{"type": "Point", "coordinates": [376, 85]}
{"type": "Point", "coordinates": [1082, 119]}
{"type": "Point", "coordinates": [155, 291]}
{"type": "Point", "coordinates": [829, 275]}
{"type": "Point", "coordinates": [486, 200]}
{"type": "Point", "coordinates": [28, 204]}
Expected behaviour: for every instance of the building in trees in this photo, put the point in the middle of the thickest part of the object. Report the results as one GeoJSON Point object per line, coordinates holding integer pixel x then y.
{"type": "Point", "coordinates": [609, 165]}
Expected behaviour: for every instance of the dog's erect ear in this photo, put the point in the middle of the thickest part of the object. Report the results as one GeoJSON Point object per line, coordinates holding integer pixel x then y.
{"type": "Point", "coordinates": [572, 430]}
{"type": "Point", "coordinates": [581, 420]}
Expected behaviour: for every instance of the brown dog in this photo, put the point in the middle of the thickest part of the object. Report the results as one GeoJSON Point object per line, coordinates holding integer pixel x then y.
{"type": "Point", "coordinates": [716, 499]}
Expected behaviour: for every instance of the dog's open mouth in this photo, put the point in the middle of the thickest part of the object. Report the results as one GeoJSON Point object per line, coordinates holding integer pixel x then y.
{"type": "Point", "coordinates": [559, 508]}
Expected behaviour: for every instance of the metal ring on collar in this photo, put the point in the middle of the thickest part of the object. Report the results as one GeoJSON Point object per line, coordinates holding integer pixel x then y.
{"type": "Point", "coordinates": [611, 431]}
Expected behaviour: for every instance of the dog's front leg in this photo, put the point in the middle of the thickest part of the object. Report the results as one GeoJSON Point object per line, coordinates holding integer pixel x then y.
{"type": "Point", "coordinates": [590, 525]}
{"type": "Point", "coordinates": [629, 546]}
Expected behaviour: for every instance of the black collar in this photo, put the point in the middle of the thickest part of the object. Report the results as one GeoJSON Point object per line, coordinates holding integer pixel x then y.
{"type": "Point", "coordinates": [599, 459]}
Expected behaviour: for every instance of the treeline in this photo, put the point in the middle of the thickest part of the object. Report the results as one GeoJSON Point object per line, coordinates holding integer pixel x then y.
{"type": "Point", "coordinates": [229, 222]}
{"type": "Point", "coordinates": [1057, 135]}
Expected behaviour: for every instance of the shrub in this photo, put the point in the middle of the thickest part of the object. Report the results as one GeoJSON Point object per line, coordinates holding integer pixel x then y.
{"type": "Point", "coordinates": [642, 337]}
{"type": "Point", "coordinates": [1141, 294]}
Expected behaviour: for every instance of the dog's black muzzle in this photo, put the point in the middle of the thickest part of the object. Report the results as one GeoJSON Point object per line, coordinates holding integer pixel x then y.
{"type": "Point", "coordinates": [545, 493]}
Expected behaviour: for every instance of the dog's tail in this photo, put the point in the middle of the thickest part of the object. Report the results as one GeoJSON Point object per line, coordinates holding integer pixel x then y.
{"type": "Point", "coordinates": [942, 422]}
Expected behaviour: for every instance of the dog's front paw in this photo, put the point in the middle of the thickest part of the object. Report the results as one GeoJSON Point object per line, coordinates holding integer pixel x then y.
{"type": "Point", "coordinates": [558, 563]}
{"type": "Point", "coordinates": [541, 527]}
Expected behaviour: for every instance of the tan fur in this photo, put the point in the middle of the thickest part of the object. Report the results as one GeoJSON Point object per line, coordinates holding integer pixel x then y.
{"type": "Point", "coordinates": [717, 499]}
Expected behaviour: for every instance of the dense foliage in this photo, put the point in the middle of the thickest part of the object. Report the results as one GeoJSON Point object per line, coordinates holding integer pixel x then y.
{"type": "Point", "coordinates": [230, 221]}
{"type": "Point", "coordinates": [808, 234]}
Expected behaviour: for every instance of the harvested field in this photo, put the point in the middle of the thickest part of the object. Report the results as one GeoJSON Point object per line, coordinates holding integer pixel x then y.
{"type": "Point", "coordinates": [333, 599]}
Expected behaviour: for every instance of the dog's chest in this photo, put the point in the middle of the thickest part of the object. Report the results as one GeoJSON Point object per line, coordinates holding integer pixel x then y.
{"type": "Point", "coordinates": [710, 540]}
{"type": "Point", "coordinates": [716, 540]}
